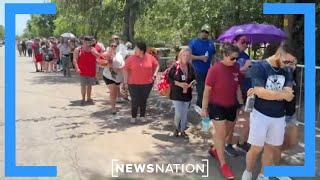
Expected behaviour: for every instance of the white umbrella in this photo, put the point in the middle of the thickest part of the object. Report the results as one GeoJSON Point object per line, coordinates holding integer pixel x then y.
{"type": "Point", "coordinates": [68, 35]}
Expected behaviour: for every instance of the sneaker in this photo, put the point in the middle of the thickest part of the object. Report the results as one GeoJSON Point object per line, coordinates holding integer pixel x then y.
{"type": "Point", "coordinates": [120, 100]}
{"type": "Point", "coordinates": [226, 172]}
{"type": "Point", "coordinates": [133, 120]}
{"type": "Point", "coordinates": [126, 98]}
{"type": "Point", "coordinates": [176, 133]}
{"type": "Point", "coordinates": [246, 175]}
{"type": "Point", "coordinates": [114, 111]}
{"type": "Point", "coordinates": [83, 102]}
{"type": "Point", "coordinates": [244, 147]}
{"type": "Point", "coordinates": [143, 119]}
{"type": "Point", "coordinates": [231, 151]}
{"type": "Point", "coordinates": [184, 135]}
{"type": "Point", "coordinates": [262, 177]}
{"type": "Point", "coordinates": [214, 154]}
{"type": "Point", "coordinates": [284, 178]}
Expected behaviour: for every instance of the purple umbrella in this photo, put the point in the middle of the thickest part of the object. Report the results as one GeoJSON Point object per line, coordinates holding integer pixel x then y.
{"type": "Point", "coordinates": [256, 33]}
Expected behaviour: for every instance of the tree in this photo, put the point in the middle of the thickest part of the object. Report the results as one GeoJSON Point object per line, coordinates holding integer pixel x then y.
{"type": "Point", "coordinates": [1, 31]}
{"type": "Point", "coordinates": [130, 15]}
{"type": "Point", "coordinates": [158, 22]}
{"type": "Point", "coordinates": [41, 25]}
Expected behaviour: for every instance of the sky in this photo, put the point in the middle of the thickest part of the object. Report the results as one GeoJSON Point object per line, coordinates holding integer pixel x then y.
{"type": "Point", "coordinates": [21, 20]}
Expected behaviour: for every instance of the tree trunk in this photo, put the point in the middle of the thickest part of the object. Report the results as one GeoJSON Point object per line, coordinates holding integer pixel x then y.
{"type": "Point", "coordinates": [130, 12]}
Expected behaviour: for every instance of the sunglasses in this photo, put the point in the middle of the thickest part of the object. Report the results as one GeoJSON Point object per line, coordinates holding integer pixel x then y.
{"type": "Point", "coordinates": [89, 42]}
{"type": "Point", "coordinates": [204, 31]}
{"type": "Point", "coordinates": [113, 46]}
{"type": "Point", "coordinates": [288, 62]}
{"type": "Point", "coordinates": [244, 41]}
{"type": "Point", "coordinates": [233, 58]}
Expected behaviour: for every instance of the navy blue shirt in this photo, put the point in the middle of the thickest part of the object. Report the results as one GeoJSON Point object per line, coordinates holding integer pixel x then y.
{"type": "Point", "coordinates": [246, 81]}
{"type": "Point", "coordinates": [199, 47]}
{"type": "Point", "coordinates": [275, 79]}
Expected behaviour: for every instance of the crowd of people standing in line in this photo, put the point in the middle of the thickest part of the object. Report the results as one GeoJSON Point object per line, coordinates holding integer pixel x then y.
{"type": "Point", "coordinates": [222, 86]}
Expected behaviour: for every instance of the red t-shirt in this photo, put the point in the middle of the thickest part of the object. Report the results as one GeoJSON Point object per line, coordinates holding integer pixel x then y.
{"type": "Point", "coordinates": [224, 81]}
{"type": "Point", "coordinates": [37, 52]}
{"type": "Point", "coordinates": [56, 50]}
{"type": "Point", "coordinates": [140, 71]}
{"type": "Point", "coordinates": [87, 63]}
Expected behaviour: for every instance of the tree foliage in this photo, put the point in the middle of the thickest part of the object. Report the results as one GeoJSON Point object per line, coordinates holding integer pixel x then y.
{"type": "Point", "coordinates": [1, 32]}
{"type": "Point", "coordinates": [41, 25]}
{"type": "Point", "coordinates": [158, 22]}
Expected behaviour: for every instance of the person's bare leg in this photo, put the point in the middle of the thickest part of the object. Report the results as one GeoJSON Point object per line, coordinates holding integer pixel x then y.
{"type": "Point", "coordinates": [45, 66]}
{"type": "Point", "coordinates": [36, 66]}
{"type": "Point", "coordinates": [50, 68]}
{"type": "Point", "coordinates": [118, 93]}
{"type": "Point", "coordinates": [277, 155]}
{"type": "Point", "coordinates": [41, 65]}
{"type": "Point", "coordinates": [246, 128]}
{"type": "Point", "coordinates": [251, 157]}
{"type": "Point", "coordinates": [89, 89]}
{"type": "Point", "coordinates": [113, 95]}
{"type": "Point", "coordinates": [290, 140]}
{"type": "Point", "coordinates": [267, 156]}
{"type": "Point", "coordinates": [230, 129]}
{"type": "Point", "coordinates": [219, 139]}
{"type": "Point", "coordinates": [83, 94]}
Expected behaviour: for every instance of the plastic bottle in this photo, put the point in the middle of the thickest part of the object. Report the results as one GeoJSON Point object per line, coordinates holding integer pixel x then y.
{"type": "Point", "coordinates": [207, 54]}
{"type": "Point", "coordinates": [205, 124]}
{"type": "Point", "coordinates": [249, 103]}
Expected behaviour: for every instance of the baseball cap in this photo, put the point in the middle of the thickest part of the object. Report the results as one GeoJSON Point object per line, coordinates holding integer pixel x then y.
{"type": "Point", "coordinates": [205, 27]}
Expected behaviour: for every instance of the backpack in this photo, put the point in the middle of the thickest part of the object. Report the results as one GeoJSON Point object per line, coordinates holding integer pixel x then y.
{"type": "Point", "coordinates": [48, 55]}
{"type": "Point", "coordinates": [163, 85]}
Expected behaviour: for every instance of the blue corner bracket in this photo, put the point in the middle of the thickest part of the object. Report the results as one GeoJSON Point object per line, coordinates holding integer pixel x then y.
{"type": "Point", "coordinates": [308, 10]}
{"type": "Point", "coordinates": [11, 169]}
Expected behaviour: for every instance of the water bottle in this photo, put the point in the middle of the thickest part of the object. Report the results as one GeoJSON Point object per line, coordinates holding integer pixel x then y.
{"type": "Point", "coordinates": [249, 103]}
{"type": "Point", "coordinates": [205, 124]}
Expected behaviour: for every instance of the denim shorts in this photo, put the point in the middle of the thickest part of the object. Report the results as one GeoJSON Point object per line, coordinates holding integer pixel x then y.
{"type": "Point", "coordinates": [291, 120]}
{"type": "Point", "coordinates": [87, 81]}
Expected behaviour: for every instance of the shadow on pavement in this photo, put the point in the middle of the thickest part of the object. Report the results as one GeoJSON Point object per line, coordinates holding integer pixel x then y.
{"type": "Point", "coordinates": [54, 78]}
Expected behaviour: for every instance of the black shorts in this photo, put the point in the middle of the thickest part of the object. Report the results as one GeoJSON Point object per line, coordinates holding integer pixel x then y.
{"type": "Point", "coordinates": [220, 113]}
{"type": "Point", "coordinates": [109, 81]}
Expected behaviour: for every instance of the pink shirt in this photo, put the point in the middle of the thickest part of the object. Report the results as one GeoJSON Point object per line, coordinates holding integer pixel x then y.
{"type": "Point", "coordinates": [141, 70]}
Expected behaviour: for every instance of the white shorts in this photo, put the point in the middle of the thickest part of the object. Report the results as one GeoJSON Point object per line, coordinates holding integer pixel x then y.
{"type": "Point", "coordinates": [265, 129]}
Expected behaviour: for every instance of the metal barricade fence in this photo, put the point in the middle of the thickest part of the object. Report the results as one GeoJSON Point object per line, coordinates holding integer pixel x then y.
{"type": "Point", "coordinates": [300, 94]}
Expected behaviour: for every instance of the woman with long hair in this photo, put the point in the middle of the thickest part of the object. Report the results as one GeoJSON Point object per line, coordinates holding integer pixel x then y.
{"type": "Point", "coordinates": [182, 78]}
